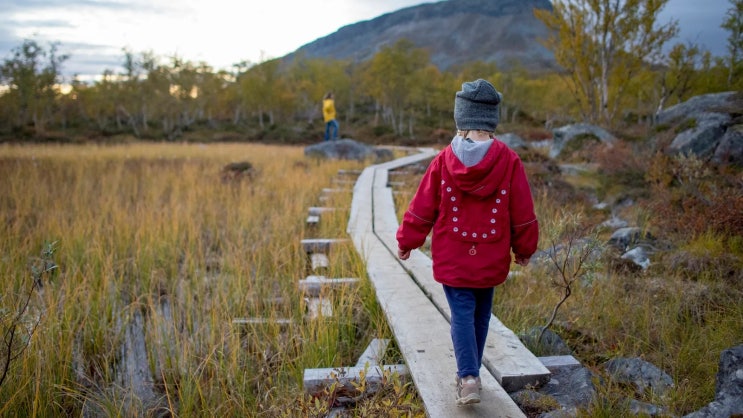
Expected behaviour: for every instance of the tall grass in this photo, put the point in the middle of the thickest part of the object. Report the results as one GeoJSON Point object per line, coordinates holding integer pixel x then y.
{"type": "Point", "coordinates": [157, 255]}
{"type": "Point", "coordinates": [660, 315]}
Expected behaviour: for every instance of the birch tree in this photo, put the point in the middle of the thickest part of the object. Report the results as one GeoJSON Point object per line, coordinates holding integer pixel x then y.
{"type": "Point", "coordinates": [32, 75]}
{"type": "Point", "coordinates": [734, 24]}
{"type": "Point", "coordinates": [602, 44]}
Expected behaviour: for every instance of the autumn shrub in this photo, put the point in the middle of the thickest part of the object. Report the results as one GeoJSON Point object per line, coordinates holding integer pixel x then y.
{"type": "Point", "coordinates": [581, 149]}
{"type": "Point", "coordinates": [709, 256]}
{"type": "Point", "coordinates": [622, 169]}
{"type": "Point", "coordinates": [689, 197]}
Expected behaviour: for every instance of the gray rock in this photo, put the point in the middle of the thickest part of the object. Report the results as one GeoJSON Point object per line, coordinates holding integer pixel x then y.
{"type": "Point", "coordinates": [639, 256]}
{"type": "Point", "coordinates": [550, 345]}
{"type": "Point", "coordinates": [693, 107]}
{"type": "Point", "coordinates": [728, 388]}
{"type": "Point", "coordinates": [346, 149]}
{"type": "Point", "coordinates": [513, 141]}
{"type": "Point", "coordinates": [561, 413]}
{"type": "Point", "coordinates": [647, 409]}
{"type": "Point", "coordinates": [730, 149]}
{"type": "Point", "coordinates": [565, 134]}
{"type": "Point", "coordinates": [614, 223]}
{"type": "Point", "coordinates": [571, 388]}
{"type": "Point", "coordinates": [703, 139]}
{"type": "Point", "coordinates": [622, 238]}
{"type": "Point", "coordinates": [640, 373]}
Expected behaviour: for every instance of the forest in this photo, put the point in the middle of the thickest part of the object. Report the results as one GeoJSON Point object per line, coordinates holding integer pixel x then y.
{"type": "Point", "coordinates": [613, 75]}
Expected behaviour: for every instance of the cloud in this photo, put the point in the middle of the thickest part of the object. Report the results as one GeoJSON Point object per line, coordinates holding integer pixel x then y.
{"type": "Point", "coordinates": [223, 32]}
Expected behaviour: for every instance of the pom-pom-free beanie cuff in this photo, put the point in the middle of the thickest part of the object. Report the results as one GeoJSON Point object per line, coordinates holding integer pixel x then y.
{"type": "Point", "coordinates": [476, 106]}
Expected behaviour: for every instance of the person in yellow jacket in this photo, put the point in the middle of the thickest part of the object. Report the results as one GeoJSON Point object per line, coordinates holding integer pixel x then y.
{"type": "Point", "coordinates": [328, 113]}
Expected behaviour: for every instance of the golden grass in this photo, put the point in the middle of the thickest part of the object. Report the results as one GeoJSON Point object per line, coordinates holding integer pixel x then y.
{"type": "Point", "coordinates": [150, 234]}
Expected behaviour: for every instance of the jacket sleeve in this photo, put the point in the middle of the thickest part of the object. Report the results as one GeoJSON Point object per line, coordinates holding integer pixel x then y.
{"type": "Point", "coordinates": [524, 224]}
{"type": "Point", "coordinates": [423, 210]}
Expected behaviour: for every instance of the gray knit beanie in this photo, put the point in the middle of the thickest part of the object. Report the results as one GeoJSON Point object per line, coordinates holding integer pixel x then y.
{"type": "Point", "coordinates": [476, 106]}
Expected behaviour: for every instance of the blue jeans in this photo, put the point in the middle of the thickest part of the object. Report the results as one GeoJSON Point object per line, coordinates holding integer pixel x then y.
{"type": "Point", "coordinates": [470, 319]}
{"type": "Point", "coordinates": [334, 125]}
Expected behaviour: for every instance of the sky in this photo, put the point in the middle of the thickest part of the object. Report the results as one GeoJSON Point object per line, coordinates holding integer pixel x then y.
{"type": "Point", "coordinates": [94, 33]}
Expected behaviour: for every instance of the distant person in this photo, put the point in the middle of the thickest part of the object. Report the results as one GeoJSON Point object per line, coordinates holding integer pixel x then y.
{"type": "Point", "coordinates": [328, 113]}
{"type": "Point", "coordinates": [476, 198]}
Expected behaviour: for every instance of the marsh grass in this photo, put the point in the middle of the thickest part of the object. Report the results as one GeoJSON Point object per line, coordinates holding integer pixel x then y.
{"type": "Point", "coordinates": [157, 255]}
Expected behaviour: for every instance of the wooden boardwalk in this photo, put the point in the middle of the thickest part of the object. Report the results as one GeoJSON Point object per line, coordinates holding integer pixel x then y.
{"type": "Point", "coordinates": [418, 314]}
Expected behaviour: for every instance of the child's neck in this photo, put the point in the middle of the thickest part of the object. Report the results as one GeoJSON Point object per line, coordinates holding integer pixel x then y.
{"type": "Point", "coordinates": [476, 135]}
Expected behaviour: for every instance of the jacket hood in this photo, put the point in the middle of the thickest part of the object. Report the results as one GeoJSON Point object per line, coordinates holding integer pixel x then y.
{"type": "Point", "coordinates": [483, 178]}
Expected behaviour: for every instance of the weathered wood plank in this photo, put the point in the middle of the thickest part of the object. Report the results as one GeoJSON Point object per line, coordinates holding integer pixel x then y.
{"type": "Point", "coordinates": [315, 380]}
{"type": "Point", "coordinates": [319, 210]}
{"type": "Point", "coordinates": [349, 172]}
{"type": "Point", "coordinates": [319, 261]}
{"type": "Point", "coordinates": [374, 352]}
{"type": "Point", "coordinates": [343, 181]}
{"type": "Point", "coordinates": [335, 190]}
{"type": "Point", "coordinates": [558, 363]}
{"type": "Point", "coordinates": [315, 285]}
{"type": "Point", "coordinates": [313, 220]}
{"type": "Point", "coordinates": [415, 321]}
{"type": "Point", "coordinates": [320, 245]}
{"type": "Point", "coordinates": [319, 308]}
{"type": "Point", "coordinates": [261, 321]}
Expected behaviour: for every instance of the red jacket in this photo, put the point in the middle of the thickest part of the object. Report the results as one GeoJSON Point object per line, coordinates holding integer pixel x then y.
{"type": "Point", "coordinates": [478, 215]}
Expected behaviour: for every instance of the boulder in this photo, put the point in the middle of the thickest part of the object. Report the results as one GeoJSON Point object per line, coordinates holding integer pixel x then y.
{"type": "Point", "coordinates": [513, 141]}
{"type": "Point", "coordinates": [347, 149]}
{"type": "Point", "coordinates": [565, 134]}
{"type": "Point", "coordinates": [704, 138]}
{"type": "Point", "coordinates": [710, 129]}
{"type": "Point", "coordinates": [728, 388]}
{"type": "Point", "coordinates": [640, 373]}
{"type": "Point", "coordinates": [730, 150]}
{"type": "Point", "coordinates": [693, 107]}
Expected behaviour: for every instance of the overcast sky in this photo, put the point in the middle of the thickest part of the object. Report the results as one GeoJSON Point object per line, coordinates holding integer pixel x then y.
{"type": "Point", "coordinates": [224, 32]}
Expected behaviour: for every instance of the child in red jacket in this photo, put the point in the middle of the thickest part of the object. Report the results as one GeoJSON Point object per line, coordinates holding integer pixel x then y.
{"type": "Point", "coordinates": [476, 198]}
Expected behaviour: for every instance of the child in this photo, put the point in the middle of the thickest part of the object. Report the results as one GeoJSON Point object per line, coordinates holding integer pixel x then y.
{"type": "Point", "coordinates": [328, 114]}
{"type": "Point", "coordinates": [476, 198]}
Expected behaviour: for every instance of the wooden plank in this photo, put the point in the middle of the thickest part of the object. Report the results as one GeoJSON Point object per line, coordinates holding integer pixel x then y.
{"type": "Point", "coordinates": [374, 352]}
{"type": "Point", "coordinates": [261, 321]}
{"type": "Point", "coordinates": [336, 190]}
{"type": "Point", "coordinates": [558, 363]}
{"type": "Point", "coordinates": [513, 365]}
{"type": "Point", "coordinates": [345, 182]}
{"type": "Point", "coordinates": [315, 285]}
{"type": "Point", "coordinates": [320, 245]}
{"type": "Point", "coordinates": [315, 380]}
{"type": "Point", "coordinates": [349, 172]}
{"type": "Point", "coordinates": [319, 210]}
{"type": "Point", "coordinates": [415, 321]}
{"type": "Point", "coordinates": [319, 261]}
{"type": "Point", "coordinates": [319, 308]}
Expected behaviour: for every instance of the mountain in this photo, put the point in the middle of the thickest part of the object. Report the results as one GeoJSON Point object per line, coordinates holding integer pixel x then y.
{"type": "Point", "coordinates": [453, 32]}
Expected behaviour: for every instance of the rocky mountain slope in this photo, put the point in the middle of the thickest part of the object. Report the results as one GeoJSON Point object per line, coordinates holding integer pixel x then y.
{"type": "Point", "coordinates": [454, 31]}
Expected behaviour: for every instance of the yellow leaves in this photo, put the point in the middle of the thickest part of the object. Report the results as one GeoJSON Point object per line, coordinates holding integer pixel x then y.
{"type": "Point", "coordinates": [602, 44]}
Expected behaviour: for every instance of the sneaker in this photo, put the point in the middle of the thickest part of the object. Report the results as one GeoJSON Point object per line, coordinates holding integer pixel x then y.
{"type": "Point", "coordinates": [468, 391]}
